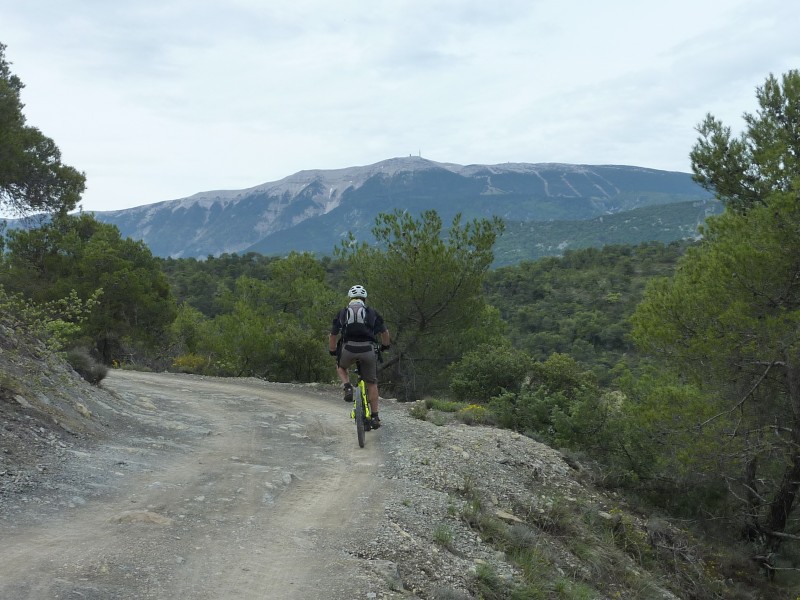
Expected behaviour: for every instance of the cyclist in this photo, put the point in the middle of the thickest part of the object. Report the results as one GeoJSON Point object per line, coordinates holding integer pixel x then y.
{"type": "Point", "coordinates": [360, 326]}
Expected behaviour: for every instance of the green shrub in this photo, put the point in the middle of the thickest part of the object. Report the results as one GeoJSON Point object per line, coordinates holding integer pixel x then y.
{"type": "Point", "coordinates": [443, 405]}
{"type": "Point", "coordinates": [630, 538]}
{"type": "Point", "coordinates": [561, 405]}
{"type": "Point", "coordinates": [443, 536]}
{"type": "Point", "coordinates": [55, 323]}
{"type": "Point", "coordinates": [557, 517]}
{"type": "Point", "coordinates": [190, 363]}
{"type": "Point", "coordinates": [475, 414]}
{"type": "Point", "coordinates": [419, 410]}
{"type": "Point", "coordinates": [489, 585]}
{"type": "Point", "coordinates": [522, 536]}
{"type": "Point", "coordinates": [437, 418]}
{"type": "Point", "coordinates": [487, 371]}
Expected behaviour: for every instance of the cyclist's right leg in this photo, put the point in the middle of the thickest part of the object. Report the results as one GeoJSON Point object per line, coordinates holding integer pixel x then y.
{"type": "Point", "coordinates": [341, 368]}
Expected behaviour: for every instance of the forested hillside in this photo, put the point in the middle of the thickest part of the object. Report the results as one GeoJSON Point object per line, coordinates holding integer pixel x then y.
{"type": "Point", "coordinates": [531, 240]}
{"type": "Point", "coordinates": [579, 304]}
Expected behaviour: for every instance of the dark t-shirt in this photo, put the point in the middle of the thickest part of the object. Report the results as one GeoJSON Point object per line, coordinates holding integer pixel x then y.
{"type": "Point", "coordinates": [358, 332]}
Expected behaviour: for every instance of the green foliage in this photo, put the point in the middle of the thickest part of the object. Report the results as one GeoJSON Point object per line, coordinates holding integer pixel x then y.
{"type": "Point", "coordinates": [419, 410]}
{"type": "Point", "coordinates": [206, 284]}
{"type": "Point", "coordinates": [268, 317]}
{"type": "Point", "coordinates": [428, 286]}
{"type": "Point", "coordinates": [629, 538]}
{"type": "Point", "coordinates": [665, 430]}
{"type": "Point", "coordinates": [561, 404]}
{"type": "Point", "coordinates": [443, 535]}
{"type": "Point", "coordinates": [273, 328]}
{"type": "Point", "coordinates": [77, 252]}
{"type": "Point", "coordinates": [55, 322]}
{"type": "Point", "coordinates": [475, 414]}
{"type": "Point", "coordinates": [191, 363]}
{"type": "Point", "coordinates": [743, 172]}
{"type": "Point", "coordinates": [488, 371]}
{"type": "Point", "coordinates": [188, 329]}
{"type": "Point", "coordinates": [727, 320]}
{"type": "Point", "coordinates": [443, 405]}
{"type": "Point", "coordinates": [579, 304]}
{"type": "Point", "coordinates": [663, 223]}
{"type": "Point", "coordinates": [32, 177]}
{"type": "Point", "coordinates": [238, 339]}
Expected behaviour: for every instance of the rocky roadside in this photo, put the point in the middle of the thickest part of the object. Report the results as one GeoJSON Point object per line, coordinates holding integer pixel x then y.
{"type": "Point", "coordinates": [462, 499]}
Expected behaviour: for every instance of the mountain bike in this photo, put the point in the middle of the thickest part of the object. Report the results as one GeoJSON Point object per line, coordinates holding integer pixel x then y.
{"type": "Point", "coordinates": [361, 413]}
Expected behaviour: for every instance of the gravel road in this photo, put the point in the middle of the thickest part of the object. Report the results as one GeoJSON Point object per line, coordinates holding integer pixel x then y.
{"type": "Point", "coordinates": [224, 489]}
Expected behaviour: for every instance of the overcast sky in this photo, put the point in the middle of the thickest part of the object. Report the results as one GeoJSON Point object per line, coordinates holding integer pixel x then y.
{"type": "Point", "coordinates": [159, 99]}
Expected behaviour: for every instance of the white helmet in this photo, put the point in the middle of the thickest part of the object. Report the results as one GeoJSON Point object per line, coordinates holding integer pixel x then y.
{"type": "Point", "coordinates": [357, 291]}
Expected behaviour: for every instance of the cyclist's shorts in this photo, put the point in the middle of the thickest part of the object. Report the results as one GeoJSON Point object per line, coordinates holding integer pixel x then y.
{"type": "Point", "coordinates": [364, 354]}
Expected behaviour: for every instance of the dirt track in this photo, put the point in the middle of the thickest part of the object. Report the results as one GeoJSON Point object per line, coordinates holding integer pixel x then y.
{"type": "Point", "coordinates": [229, 489]}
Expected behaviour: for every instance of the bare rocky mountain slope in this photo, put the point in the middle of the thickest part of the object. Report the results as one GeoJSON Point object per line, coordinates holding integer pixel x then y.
{"type": "Point", "coordinates": [313, 210]}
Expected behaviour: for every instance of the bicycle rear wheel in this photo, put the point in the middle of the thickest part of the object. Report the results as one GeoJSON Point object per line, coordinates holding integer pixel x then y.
{"type": "Point", "coordinates": [359, 414]}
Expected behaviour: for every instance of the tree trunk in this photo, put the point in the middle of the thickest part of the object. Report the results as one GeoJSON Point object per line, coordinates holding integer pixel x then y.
{"type": "Point", "coordinates": [786, 494]}
{"type": "Point", "coordinates": [752, 528]}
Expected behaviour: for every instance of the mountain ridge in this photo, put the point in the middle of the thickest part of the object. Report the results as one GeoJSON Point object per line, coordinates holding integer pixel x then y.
{"type": "Point", "coordinates": [312, 210]}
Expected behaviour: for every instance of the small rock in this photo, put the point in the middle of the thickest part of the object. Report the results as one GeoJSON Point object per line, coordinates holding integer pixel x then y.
{"type": "Point", "coordinates": [83, 410]}
{"type": "Point", "coordinates": [21, 401]}
{"type": "Point", "coordinates": [506, 516]}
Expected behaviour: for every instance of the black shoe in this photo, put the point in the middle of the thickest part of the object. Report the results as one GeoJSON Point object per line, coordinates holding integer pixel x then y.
{"type": "Point", "coordinates": [376, 422]}
{"type": "Point", "coordinates": [367, 424]}
{"type": "Point", "coordinates": [348, 392]}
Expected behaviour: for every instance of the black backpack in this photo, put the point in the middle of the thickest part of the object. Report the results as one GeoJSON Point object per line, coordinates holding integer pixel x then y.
{"type": "Point", "coordinates": [358, 322]}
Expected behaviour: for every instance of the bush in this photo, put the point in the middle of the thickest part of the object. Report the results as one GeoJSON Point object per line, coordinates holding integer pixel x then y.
{"type": "Point", "coordinates": [419, 410]}
{"type": "Point", "coordinates": [488, 371]}
{"type": "Point", "coordinates": [475, 414]}
{"type": "Point", "coordinates": [190, 363]}
{"type": "Point", "coordinates": [443, 405]}
{"type": "Point", "coordinates": [86, 366]}
{"type": "Point", "coordinates": [443, 536]}
{"type": "Point", "coordinates": [561, 405]}
{"type": "Point", "coordinates": [55, 323]}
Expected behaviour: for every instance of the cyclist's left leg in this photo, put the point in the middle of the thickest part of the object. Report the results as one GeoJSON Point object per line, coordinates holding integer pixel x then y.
{"type": "Point", "coordinates": [346, 359]}
{"type": "Point", "coordinates": [369, 373]}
